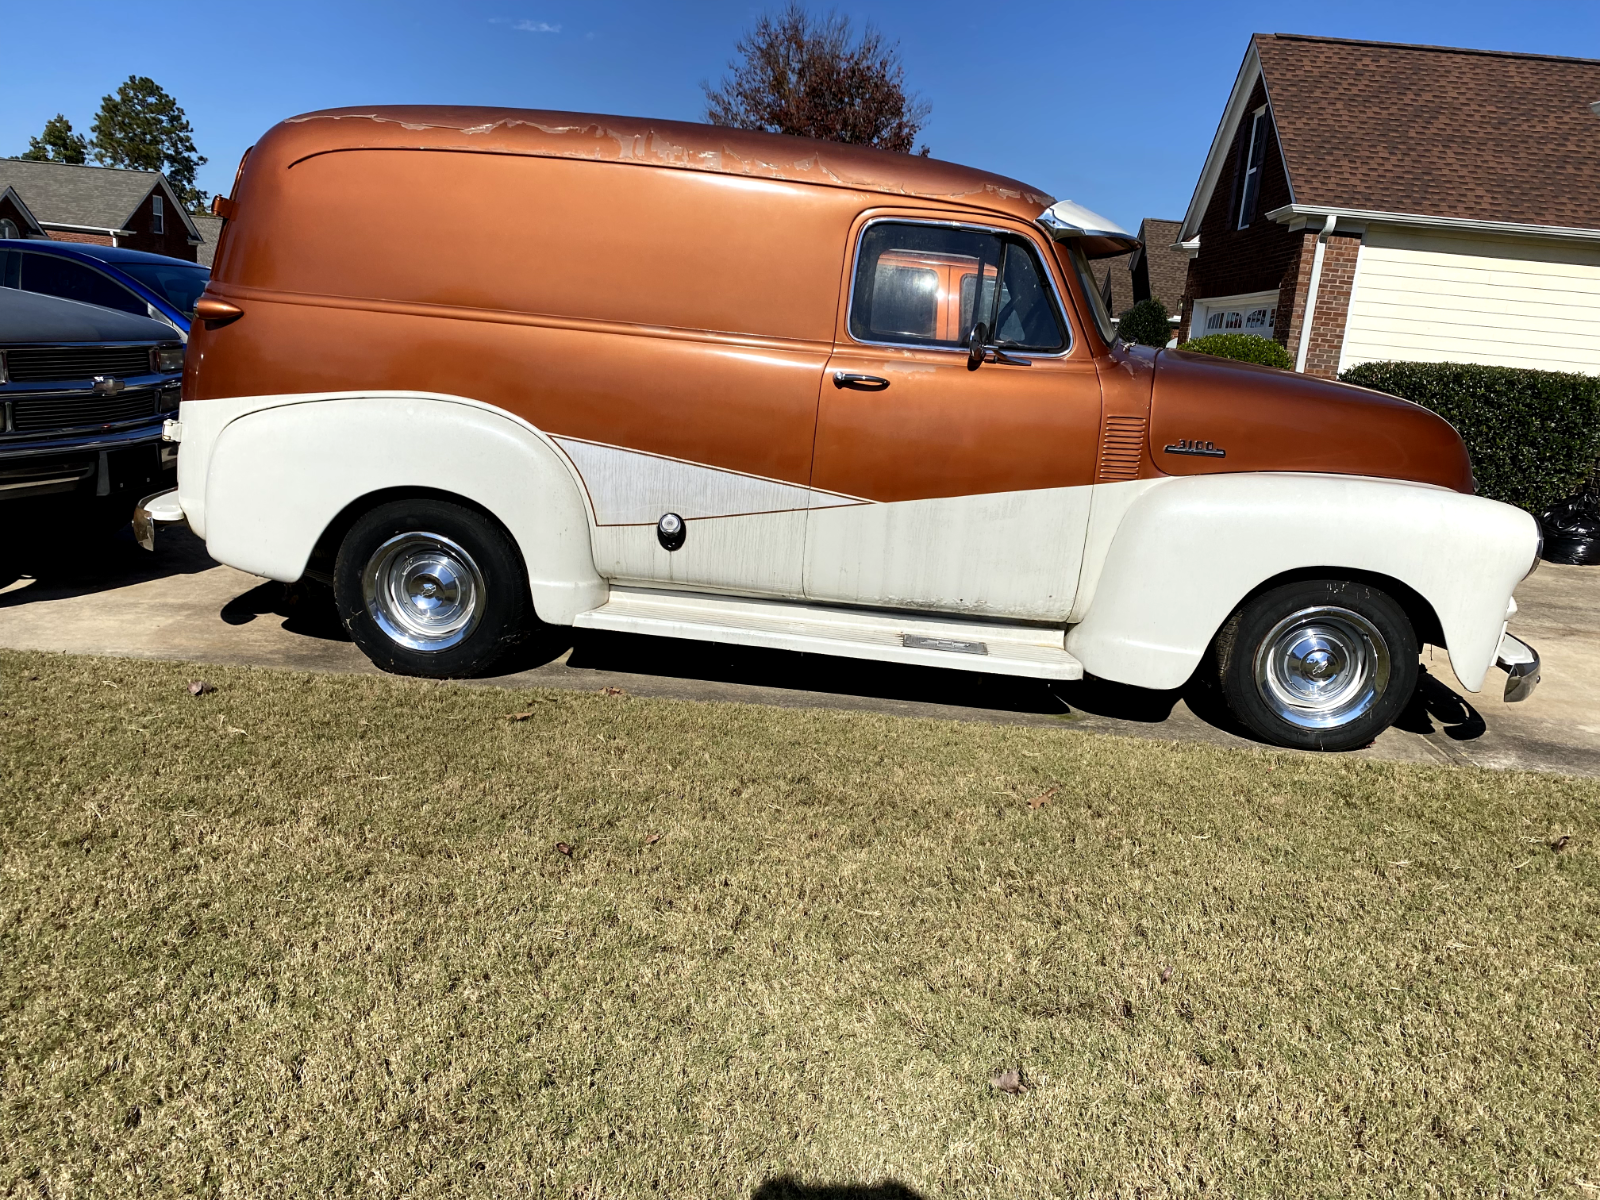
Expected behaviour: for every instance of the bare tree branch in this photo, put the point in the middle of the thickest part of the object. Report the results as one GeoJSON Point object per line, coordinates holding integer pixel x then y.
{"type": "Point", "coordinates": [807, 76]}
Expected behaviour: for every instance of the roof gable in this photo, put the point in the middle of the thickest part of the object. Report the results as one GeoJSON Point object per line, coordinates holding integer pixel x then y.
{"type": "Point", "coordinates": [1475, 135]}
{"type": "Point", "coordinates": [1469, 135]}
{"type": "Point", "coordinates": [22, 210]}
{"type": "Point", "coordinates": [83, 196]}
{"type": "Point", "coordinates": [1232, 114]}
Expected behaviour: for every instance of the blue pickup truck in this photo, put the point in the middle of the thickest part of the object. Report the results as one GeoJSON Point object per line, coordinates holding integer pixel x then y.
{"type": "Point", "coordinates": [130, 281]}
{"type": "Point", "coordinates": [84, 391]}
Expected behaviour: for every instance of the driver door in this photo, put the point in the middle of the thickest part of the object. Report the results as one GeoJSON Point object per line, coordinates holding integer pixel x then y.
{"type": "Point", "coordinates": [976, 482]}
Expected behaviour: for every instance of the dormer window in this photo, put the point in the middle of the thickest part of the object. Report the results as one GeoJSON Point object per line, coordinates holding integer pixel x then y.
{"type": "Point", "coordinates": [158, 216]}
{"type": "Point", "coordinates": [1251, 190]}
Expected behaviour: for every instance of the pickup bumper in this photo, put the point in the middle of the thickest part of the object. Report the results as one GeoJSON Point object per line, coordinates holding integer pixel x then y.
{"type": "Point", "coordinates": [1520, 662]}
{"type": "Point", "coordinates": [160, 509]}
{"type": "Point", "coordinates": [89, 464]}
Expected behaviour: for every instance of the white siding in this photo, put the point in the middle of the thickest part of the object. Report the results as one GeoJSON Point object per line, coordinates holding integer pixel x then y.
{"type": "Point", "coordinates": [1427, 297]}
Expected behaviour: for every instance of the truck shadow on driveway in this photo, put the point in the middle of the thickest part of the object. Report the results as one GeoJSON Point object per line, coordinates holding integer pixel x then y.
{"type": "Point", "coordinates": [715, 663]}
{"type": "Point", "coordinates": [787, 1188]}
{"type": "Point", "coordinates": [62, 561]}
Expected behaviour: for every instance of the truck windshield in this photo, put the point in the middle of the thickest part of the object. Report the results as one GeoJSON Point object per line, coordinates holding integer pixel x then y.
{"type": "Point", "coordinates": [1097, 304]}
{"type": "Point", "coordinates": [179, 284]}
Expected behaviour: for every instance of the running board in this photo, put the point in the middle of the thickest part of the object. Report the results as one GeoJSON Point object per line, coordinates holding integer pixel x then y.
{"type": "Point", "coordinates": [925, 641]}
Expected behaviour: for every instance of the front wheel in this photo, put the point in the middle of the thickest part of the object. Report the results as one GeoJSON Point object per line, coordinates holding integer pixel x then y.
{"type": "Point", "coordinates": [431, 588]}
{"type": "Point", "coordinates": [1324, 664]}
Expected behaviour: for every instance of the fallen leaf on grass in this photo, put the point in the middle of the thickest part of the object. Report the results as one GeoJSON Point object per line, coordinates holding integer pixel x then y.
{"type": "Point", "coordinates": [1166, 974]}
{"type": "Point", "coordinates": [1045, 796]}
{"type": "Point", "coordinates": [564, 848]}
{"type": "Point", "coordinates": [612, 691]}
{"type": "Point", "coordinates": [199, 687]}
{"type": "Point", "coordinates": [1009, 1082]}
{"type": "Point", "coordinates": [652, 839]}
{"type": "Point", "coordinates": [522, 716]}
{"type": "Point", "coordinates": [1560, 843]}
{"type": "Point", "coordinates": [108, 683]}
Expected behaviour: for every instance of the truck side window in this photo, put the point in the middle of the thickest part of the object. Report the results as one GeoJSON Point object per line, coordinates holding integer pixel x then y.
{"type": "Point", "coordinates": [52, 276]}
{"type": "Point", "coordinates": [928, 284]}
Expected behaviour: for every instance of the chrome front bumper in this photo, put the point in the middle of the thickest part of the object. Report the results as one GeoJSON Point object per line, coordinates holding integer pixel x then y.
{"type": "Point", "coordinates": [1520, 662]}
{"type": "Point", "coordinates": [160, 509]}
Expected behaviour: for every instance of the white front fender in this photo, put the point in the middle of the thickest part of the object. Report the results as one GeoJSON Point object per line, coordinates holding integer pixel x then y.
{"type": "Point", "coordinates": [261, 478]}
{"type": "Point", "coordinates": [1189, 549]}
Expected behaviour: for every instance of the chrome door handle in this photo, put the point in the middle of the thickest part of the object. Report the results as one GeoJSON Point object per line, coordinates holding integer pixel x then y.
{"type": "Point", "coordinates": [862, 383]}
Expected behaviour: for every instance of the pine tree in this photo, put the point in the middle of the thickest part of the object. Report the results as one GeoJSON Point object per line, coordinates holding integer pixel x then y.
{"type": "Point", "coordinates": [141, 127]}
{"type": "Point", "coordinates": [57, 143]}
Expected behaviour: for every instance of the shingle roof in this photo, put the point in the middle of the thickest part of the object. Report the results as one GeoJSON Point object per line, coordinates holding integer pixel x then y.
{"type": "Point", "coordinates": [1169, 268]}
{"type": "Point", "coordinates": [209, 228]}
{"type": "Point", "coordinates": [64, 194]}
{"type": "Point", "coordinates": [1474, 134]}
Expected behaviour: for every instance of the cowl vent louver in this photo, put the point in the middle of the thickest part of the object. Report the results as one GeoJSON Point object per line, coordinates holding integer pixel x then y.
{"type": "Point", "coordinates": [1121, 448]}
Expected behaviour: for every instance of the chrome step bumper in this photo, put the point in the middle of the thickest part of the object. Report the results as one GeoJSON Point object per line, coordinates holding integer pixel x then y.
{"type": "Point", "coordinates": [1520, 662]}
{"type": "Point", "coordinates": [161, 508]}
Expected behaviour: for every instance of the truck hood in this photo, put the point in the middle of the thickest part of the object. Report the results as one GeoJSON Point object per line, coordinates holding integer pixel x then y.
{"type": "Point", "coordinates": [1210, 415]}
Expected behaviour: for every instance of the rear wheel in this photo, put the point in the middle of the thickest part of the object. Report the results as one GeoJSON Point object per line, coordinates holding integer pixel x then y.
{"type": "Point", "coordinates": [1325, 664]}
{"type": "Point", "coordinates": [431, 588]}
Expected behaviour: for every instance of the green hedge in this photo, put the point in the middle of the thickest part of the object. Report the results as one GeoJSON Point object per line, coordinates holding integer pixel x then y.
{"type": "Point", "coordinates": [1533, 436]}
{"type": "Point", "coordinates": [1245, 347]}
{"type": "Point", "coordinates": [1146, 323]}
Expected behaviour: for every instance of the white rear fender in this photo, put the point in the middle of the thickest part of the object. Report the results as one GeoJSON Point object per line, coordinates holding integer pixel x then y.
{"type": "Point", "coordinates": [1188, 550]}
{"type": "Point", "coordinates": [261, 478]}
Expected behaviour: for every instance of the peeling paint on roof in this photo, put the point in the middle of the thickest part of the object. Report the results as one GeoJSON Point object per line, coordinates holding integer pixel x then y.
{"type": "Point", "coordinates": [674, 144]}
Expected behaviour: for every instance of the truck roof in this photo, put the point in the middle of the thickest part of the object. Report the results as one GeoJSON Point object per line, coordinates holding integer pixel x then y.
{"type": "Point", "coordinates": [640, 140]}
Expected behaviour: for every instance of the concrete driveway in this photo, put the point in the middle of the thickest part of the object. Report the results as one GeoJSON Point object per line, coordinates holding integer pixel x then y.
{"type": "Point", "coordinates": [179, 604]}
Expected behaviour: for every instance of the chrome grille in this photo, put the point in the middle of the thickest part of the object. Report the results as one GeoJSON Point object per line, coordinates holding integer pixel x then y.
{"type": "Point", "coordinates": [53, 364]}
{"type": "Point", "coordinates": [30, 414]}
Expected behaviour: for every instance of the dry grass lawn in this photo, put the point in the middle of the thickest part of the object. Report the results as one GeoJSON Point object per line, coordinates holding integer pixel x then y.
{"type": "Point", "coordinates": [320, 936]}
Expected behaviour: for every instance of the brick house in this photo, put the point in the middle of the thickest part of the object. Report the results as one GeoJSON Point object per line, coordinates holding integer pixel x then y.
{"type": "Point", "coordinates": [1419, 203]}
{"type": "Point", "coordinates": [1156, 270]}
{"type": "Point", "coordinates": [103, 205]}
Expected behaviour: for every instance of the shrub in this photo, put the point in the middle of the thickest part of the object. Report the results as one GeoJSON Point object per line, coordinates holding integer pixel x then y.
{"type": "Point", "coordinates": [1246, 347]}
{"type": "Point", "coordinates": [1533, 436]}
{"type": "Point", "coordinates": [1146, 323]}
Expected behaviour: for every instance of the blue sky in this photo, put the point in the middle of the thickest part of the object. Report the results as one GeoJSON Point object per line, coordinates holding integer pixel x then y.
{"type": "Point", "coordinates": [1109, 104]}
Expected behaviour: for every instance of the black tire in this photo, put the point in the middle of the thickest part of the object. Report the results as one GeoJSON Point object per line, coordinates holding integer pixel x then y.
{"type": "Point", "coordinates": [1325, 664]}
{"type": "Point", "coordinates": [477, 612]}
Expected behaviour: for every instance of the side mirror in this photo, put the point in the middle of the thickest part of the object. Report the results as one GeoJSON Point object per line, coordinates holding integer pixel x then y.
{"type": "Point", "coordinates": [977, 346]}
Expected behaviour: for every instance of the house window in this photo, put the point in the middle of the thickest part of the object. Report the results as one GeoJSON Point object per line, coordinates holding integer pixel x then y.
{"type": "Point", "coordinates": [1251, 191]}
{"type": "Point", "coordinates": [158, 216]}
{"type": "Point", "coordinates": [8, 228]}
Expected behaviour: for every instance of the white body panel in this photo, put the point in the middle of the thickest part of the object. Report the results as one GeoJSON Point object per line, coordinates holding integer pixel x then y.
{"type": "Point", "coordinates": [1149, 569]}
{"type": "Point", "coordinates": [1438, 297]}
{"type": "Point", "coordinates": [1188, 550]}
{"type": "Point", "coordinates": [261, 477]}
{"type": "Point", "coordinates": [745, 532]}
{"type": "Point", "coordinates": [1012, 555]}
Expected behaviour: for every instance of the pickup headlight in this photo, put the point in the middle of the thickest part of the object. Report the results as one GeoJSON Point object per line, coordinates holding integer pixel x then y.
{"type": "Point", "coordinates": [167, 358]}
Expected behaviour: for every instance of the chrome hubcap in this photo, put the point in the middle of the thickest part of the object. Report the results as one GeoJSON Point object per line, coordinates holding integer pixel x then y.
{"type": "Point", "coordinates": [1322, 667]}
{"type": "Point", "coordinates": [424, 591]}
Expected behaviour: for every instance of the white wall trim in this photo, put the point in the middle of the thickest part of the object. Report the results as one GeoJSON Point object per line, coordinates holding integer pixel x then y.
{"type": "Point", "coordinates": [1311, 293]}
{"type": "Point", "coordinates": [1354, 216]}
{"type": "Point", "coordinates": [1232, 114]}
